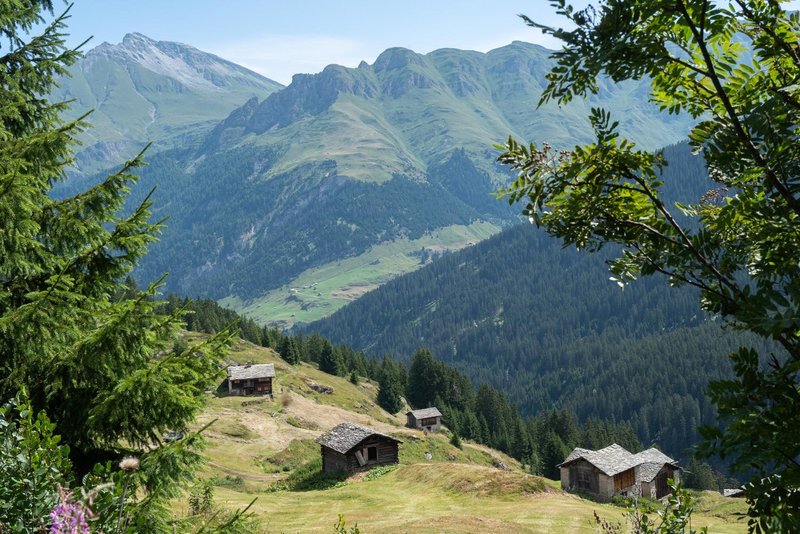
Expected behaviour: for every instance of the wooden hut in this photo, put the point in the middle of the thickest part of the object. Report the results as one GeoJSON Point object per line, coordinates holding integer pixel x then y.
{"type": "Point", "coordinates": [429, 419]}
{"type": "Point", "coordinates": [254, 379]}
{"type": "Point", "coordinates": [613, 470]}
{"type": "Point", "coordinates": [350, 447]}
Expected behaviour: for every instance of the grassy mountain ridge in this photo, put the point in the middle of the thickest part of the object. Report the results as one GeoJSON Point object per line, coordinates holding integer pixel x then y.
{"type": "Point", "coordinates": [144, 90]}
{"type": "Point", "coordinates": [407, 111]}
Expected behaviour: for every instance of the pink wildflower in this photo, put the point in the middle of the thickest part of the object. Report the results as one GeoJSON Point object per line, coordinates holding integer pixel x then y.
{"type": "Point", "coordinates": [69, 517]}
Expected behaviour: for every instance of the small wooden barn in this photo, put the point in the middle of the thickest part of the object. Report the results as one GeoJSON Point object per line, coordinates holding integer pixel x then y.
{"type": "Point", "coordinates": [429, 419]}
{"type": "Point", "coordinates": [253, 379]}
{"type": "Point", "coordinates": [614, 470]}
{"type": "Point", "coordinates": [350, 447]}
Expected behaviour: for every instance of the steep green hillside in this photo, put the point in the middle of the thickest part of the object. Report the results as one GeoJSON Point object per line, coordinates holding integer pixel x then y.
{"type": "Point", "coordinates": [349, 159]}
{"type": "Point", "coordinates": [547, 326]}
{"type": "Point", "coordinates": [143, 90]}
{"type": "Point", "coordinates": [264, 449]}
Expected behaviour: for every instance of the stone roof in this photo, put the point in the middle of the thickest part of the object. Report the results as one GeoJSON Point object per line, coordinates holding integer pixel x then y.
{"type": "Point", "coordinates": [648, 471]}
{"type": "Point", "coordinates": [424, 413]}
{"type": "Point", "coordinates": [247, 372]}
{"type": "Point", "coordinates": [653, 455]}
{"type": "Point", "coordinates": [615, 459]}
{"type": "Point", "coordinates": [343, 437]}
{"type": "Point", "coordinates": [733, 492]}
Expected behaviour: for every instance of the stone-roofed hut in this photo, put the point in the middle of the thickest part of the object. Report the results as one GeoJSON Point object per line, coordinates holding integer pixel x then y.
{"type": "Point", "coordinates": [350, 447]}
{"type": "Point", "coordinates": [733, 492]}
{"type": "Point", "coordinates": [613, 470]}
{"type": "Point", "coordinates": [253, 379]}
{"type": "Point", "coordinates": [429, 419]}
{"type": "Point", "coordinates": [653, 469]}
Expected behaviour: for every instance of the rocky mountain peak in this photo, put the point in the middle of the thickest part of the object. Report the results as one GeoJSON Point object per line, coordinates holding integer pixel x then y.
{"type": "Point", "coordinates": [397, 58]}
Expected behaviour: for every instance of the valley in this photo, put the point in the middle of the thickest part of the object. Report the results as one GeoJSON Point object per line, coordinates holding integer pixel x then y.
{"type": "Point", "coordinates": [230, 304]}
{"type": "Point", "coordinates": [331, 166]}
{"type": "Point", "coordinates": [320, 291]}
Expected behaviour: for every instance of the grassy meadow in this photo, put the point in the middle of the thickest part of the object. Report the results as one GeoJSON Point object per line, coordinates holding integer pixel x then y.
{"type": "Point", "coordinates": [265, 449]}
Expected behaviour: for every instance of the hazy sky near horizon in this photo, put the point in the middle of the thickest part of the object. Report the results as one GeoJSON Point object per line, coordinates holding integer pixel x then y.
{"type": "Point", "coordinates": [278, 39]}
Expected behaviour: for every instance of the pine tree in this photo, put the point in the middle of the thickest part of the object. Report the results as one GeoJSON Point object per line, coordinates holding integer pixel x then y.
{"type": "Point", "coordinates": [329, 360]}
{"type": "Point", "coordinates": [424, 379]}
{"type": "Point", "coordinates": [287, 349]}
{"type": "Point", "coordinates": [389, 387]}
{"type": "Point", "coordinates": [92, 351]}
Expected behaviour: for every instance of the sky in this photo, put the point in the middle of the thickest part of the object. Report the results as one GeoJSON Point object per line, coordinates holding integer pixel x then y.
{"type": "Point", "coordinates": [278, 38]}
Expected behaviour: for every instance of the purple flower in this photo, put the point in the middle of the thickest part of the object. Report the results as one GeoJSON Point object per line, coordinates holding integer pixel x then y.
{"type": "Point", "coordinates": [69, 517]}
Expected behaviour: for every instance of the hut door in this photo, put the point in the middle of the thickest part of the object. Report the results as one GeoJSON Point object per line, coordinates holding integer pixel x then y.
{"type": "Point", "coordinates": [372, 454]}
{"type": "Point", "coordinates": [662, 488]}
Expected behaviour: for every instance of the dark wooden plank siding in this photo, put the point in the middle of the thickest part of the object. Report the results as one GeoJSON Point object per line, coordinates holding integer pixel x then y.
{"type": "Point", "coordinates": [583, 477]}
{"type": "Point", "coordinates": [334, 461]}
{"type": "Point", "coordinates": [387, 454]}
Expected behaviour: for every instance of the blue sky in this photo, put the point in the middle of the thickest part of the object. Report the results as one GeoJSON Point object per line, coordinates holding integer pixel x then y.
{"type": "Point", "coordinates": [278, 39]}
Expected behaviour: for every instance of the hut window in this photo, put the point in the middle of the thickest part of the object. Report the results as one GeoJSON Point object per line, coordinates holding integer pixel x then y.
{"type": "Point", "coordinates": [372, 453]}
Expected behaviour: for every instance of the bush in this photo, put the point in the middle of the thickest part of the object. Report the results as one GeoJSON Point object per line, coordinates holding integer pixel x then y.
{"type": "Point", "coordinates": [33, 466]}
{"type": "Point", "coordinates": [378, 472]}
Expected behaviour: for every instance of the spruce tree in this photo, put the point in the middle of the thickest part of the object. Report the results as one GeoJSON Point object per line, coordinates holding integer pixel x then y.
{"type": "Point", "coordinates": [424, 378]}
{"type": "Point", "coordinates": [93, 352]}
{"type": "Point", "coordinates": [390, 387]}
{"type": "Point", "coordinates": [329, 360]}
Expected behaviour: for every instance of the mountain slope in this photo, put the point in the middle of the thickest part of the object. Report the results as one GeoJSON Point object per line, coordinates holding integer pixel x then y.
{"type": "Point", "coordinates": [144, 90]}
{"type": "Point", "coordinates": [348, 159]}
{"type": "Point", "coordinates": [408, 111]}
{"type": "Point", "coordinates": [257, 444]}
{"type": "Point", "coordinates": [546, 325]}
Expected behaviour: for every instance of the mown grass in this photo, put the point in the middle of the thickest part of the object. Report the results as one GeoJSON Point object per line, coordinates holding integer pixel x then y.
{"type": "Point", "coordinates": [297, 454]}
{"type": "Point", "coordinates": [443, 498]}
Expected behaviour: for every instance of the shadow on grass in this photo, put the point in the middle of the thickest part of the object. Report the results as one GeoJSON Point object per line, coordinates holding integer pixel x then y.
{"type": "Point", "coordinates": [309, 477]}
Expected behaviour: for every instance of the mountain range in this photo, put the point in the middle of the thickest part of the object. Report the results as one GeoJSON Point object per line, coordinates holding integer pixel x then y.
{"type": "Point", "coordinates": [337, 163]}
{"type": "Point", "coordinates": [143, 90]}
{"type": "Point", "coordinates": [319, 180]}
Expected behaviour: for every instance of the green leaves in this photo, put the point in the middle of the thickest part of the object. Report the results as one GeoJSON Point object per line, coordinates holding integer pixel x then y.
{"type": "Point", "coordinates": [33, 464]}
{"type": "Point", "coordinates": [94, 357]}
{"type": "Point", "coordinates": [737, 68]}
